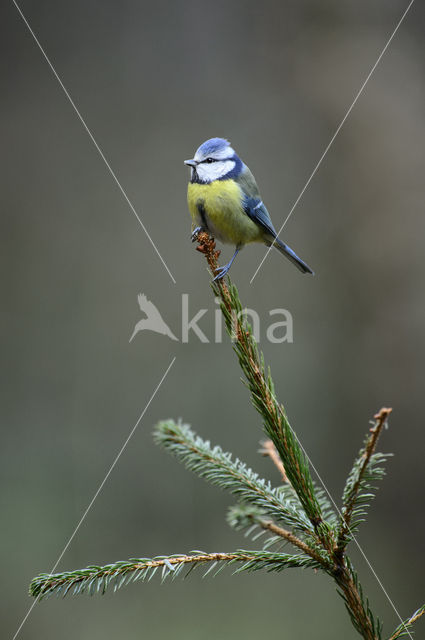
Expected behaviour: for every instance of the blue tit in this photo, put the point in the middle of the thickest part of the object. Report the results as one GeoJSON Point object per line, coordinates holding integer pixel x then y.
{"type": "Point", "coordinates": [224, 201]}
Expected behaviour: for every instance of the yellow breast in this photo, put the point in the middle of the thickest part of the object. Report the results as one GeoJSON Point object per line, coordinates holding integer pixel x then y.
{"type": "Point", "coordinates": [220, 202]}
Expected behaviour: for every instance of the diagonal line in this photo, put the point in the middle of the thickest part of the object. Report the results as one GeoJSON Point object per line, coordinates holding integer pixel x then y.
{"type": "Point", "coordinates": [341, 124]}
{"type": "Point", "coordinates": [92, 138]}
{"type": "Point", "coordinates": [83, 517]}
{"type": "Point", "coordinates": [322, 482]}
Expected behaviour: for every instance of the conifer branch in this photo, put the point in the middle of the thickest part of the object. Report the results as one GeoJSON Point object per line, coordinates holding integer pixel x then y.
{"type": "Point", "coordinates": [218, 468]}
{"type": "Point", "coordinates": [96, 580]}
{"type": "Point", "coordinates": [369, 627]}
{"type": "Point", "coordinates": [293, 459]}
{"type": "Point", "coordinates": [268, 449]}
{"type": "Point", "coordinates": [260, 384]}
{"type": "Point", "coordinates": [357, 491]}
{"type": "Point", "coordinates": [268, 525]}
{"type": "Point", "coordinates": [242, 517]}
{"type": "Point", "coordinates": [315, 531]}
{"type": "Point", "coordinates": [402, 629]}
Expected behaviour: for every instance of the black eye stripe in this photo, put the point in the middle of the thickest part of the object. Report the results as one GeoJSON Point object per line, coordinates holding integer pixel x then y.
{"type": "Point", "coordinates": [209, 160]}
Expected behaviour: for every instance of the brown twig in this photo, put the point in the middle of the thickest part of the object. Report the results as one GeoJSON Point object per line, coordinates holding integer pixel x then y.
{"type": "Point", "coordinates": [290, 537]}
{"type": "Point", "coordinates": [207, 246]}
{"type": "Point", "coordinates": [342, 574]}
{"type": "Point", "coordinates": [370, 446]}
{"type": "Point", "coordinates": [185, 559]}
{"type": "Point", "coordinates": [268, 449]}
{"type": "Point", "coordinates": [381, 417]}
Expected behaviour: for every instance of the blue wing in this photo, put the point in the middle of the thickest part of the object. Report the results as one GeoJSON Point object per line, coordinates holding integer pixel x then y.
{"type": "Point", "coordinates": [255, 209]}
{"type": "Point", "coordinates": [252, 203]}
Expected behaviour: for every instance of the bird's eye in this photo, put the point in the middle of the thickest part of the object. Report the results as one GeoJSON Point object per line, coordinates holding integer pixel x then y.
{"type": "Point", "coordinates": [209, 160]}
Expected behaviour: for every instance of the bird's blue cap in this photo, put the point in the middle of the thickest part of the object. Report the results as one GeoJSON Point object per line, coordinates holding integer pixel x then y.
{"type": "Point", "coordinates": [217, 148]}
{"type": "Point", "coordinates": [212, 146]}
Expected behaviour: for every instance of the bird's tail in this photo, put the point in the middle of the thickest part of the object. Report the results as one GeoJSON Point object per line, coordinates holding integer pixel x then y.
{"type": "Point", "coordinates": [292, 256]}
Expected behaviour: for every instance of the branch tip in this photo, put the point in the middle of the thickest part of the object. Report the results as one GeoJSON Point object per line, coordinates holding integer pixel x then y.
{"type": "Point", "coordinates": [383, 414]}
{"type": "Point", "coordinates": [269, 450]}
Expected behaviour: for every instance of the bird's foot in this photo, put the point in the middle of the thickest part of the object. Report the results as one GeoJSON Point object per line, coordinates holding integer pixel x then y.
{"type": "Point", "coordinates": [195, 233]}
{"type": "Point", "coordinates": [221, 272]}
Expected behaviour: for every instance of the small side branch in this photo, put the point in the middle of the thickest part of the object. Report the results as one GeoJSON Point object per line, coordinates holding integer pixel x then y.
{"type": "Point", "coordinates": [217, 467]}
{"type": "Point", "coordinates": [402, 629]}
{"type": "Point", "coordinates": [268, 449]}
{"type": "Point", "coordinates": [268, 525]}
{"type": "Point", "coordinates": [357, 480]}
{"type": "Point", "coordinates": [96, 579]}
{"type": "Point", "coordinates": [242, 517]}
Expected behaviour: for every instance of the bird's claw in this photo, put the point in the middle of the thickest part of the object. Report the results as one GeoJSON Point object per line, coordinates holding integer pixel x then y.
{"type": "Point", "coordinates": [221, 272]}
{"type": "Point", "coordinates": [195, 233]}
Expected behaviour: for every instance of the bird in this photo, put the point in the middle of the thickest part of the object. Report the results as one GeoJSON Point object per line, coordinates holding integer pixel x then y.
{"type": "Point", "coordinates": [224, 200]}
{"type": "Point", "coordinates": [153, 321]}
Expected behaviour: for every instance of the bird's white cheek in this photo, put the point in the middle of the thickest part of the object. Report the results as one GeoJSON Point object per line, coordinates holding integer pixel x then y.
{"type": "Point", "coordinates": [215, 170]}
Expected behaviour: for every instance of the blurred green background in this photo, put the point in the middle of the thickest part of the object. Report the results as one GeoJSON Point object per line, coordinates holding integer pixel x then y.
{"type": "Point", "coordinates": [153, 80]}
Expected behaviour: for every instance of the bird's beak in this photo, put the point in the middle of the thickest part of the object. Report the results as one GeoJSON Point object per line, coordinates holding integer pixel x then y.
{"type": "Point", "coordinates": [190, 163]}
